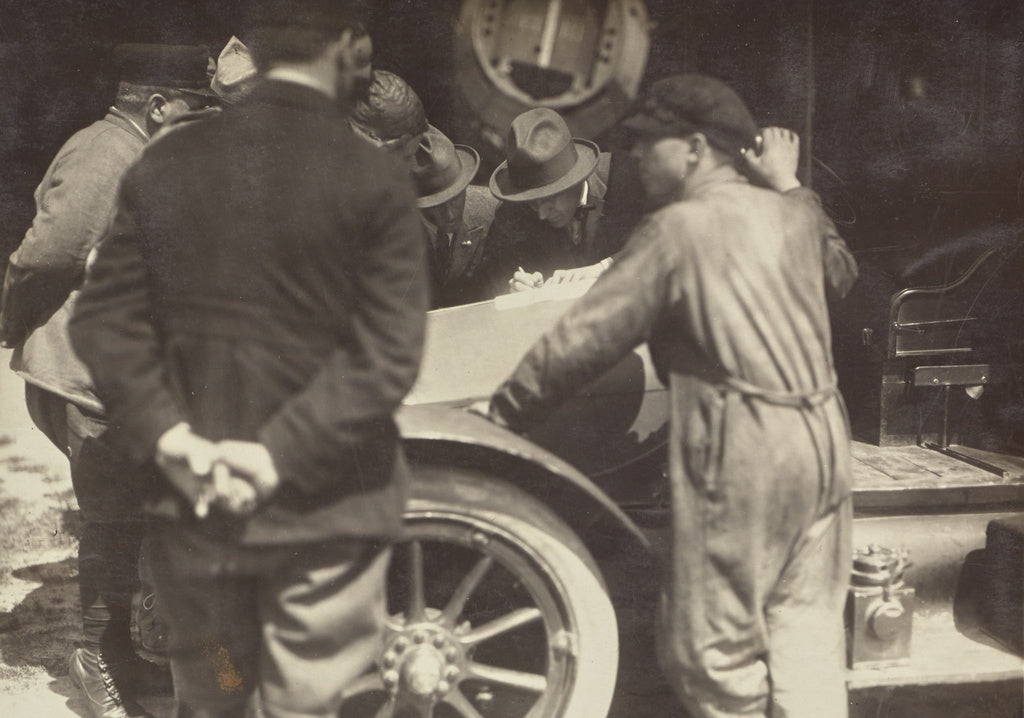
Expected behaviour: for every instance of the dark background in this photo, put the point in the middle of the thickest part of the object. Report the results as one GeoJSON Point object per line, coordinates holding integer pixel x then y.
{"type": "Point", "coordinates": [913, 110]}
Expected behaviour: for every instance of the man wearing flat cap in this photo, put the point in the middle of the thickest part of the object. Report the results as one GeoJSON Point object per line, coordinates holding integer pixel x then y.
{"type": "Point", "coordinates": [457, 216]}
{"type": "Point", "coordinates": [726, 284]}
{"type": "Point", "coordinates": [252, 321]}
{"type": "Point", "coordinates": [565, 204]}
{"type": "Point", "coordinates": [74, 206]}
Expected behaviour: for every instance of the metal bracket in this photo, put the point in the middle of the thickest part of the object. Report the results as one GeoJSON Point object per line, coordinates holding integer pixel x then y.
{"type": "Point", "coordinates": [972, 460]}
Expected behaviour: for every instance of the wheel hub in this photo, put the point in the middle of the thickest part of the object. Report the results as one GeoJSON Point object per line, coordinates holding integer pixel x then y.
{"type": "Point", "coordinates": [423, 661]}
{"type": "Point", "coordinates": [421, 671]}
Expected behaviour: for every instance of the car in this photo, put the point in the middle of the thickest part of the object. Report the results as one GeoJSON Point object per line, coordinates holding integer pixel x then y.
{"type": "Point", "coordinates": [497, 603]}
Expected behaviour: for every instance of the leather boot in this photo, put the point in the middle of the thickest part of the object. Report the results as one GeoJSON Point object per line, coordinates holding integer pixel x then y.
{"type": "Point", "coordinates": [98, 682]}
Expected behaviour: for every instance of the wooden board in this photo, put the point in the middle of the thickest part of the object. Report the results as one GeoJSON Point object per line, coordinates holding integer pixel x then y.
{"type": "Point", "coordinates": [900, 477]}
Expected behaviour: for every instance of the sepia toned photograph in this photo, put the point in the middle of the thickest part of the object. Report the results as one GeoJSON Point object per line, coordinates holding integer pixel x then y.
{"type": "Point", "coordinates": [512, 359]}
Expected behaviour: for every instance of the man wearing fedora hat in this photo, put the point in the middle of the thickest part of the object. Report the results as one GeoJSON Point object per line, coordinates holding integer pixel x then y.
{"type": "Point", "coordinates": [726, 284]}
{"type": "Point", "coordinates": [75, 203]}
{"type": "Point", "coordinates": [565, 203]}
{"type": "Point", "coordinates": [456, 213]}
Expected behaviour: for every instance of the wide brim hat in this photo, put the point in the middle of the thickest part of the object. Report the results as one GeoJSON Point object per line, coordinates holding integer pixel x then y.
{"type": "Point", "coordinates": [442, 170]}
{"type": "Point", "coordinates": [542, 158]}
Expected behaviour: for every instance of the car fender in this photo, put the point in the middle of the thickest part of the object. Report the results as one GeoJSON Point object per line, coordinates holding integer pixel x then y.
{"type": "Point", "coordinates": [449, 435]}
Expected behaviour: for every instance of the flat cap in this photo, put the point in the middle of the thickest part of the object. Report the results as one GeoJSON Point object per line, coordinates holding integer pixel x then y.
{"type": "Point", "coordinates": [683, 104]}
{"type": "Point", "coordinates": [179, 67]}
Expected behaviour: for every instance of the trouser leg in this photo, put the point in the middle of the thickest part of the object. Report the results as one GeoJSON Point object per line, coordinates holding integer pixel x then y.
{"type": "Point", "coordinates": [745, 509]}
{"type": "Point", "coordinates": [807, 661]}
{"type": "Point", "coordinates": [322, 627]}
{"type": "Point", "coordinates": [298, 622]}
{"type": "Point", "coordinates": [712, 641]}
{"type": "Point", "coordinates": [111, 529]}
{"type": "Point", "coordinates": [212, 616]}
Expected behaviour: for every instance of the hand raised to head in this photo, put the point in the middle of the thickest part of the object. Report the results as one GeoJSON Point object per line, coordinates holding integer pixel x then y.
{"type": "Point", "coordinates": [776, 164]}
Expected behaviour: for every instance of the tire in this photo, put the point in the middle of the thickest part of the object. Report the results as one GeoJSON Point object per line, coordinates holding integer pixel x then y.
{"type": "Point", "coordinates": [496, 609]}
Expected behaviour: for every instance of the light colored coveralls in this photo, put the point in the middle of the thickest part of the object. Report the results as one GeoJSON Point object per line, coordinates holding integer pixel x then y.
{"type": "Point", "coordinates": [728, 288]}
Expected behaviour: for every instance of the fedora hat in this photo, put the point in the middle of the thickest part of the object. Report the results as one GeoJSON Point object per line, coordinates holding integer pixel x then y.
{"type": "Point", "coordinates": [543, 158]}
{"type": "Point", "coordinates": [441, 169]}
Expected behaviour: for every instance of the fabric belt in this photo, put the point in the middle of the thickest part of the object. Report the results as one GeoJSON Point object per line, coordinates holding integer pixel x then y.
{"type": "Point", "coordinates": [249, 322]}
{"type": "Point", "coordinates": [798, 400]}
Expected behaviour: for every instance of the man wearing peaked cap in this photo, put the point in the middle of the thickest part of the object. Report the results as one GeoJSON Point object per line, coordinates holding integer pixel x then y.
{"type": "Point", "coordinates": [456, 213]}
{"type": "Point", "coordinates": [565, 204]}
{"type": "Point", "coordinates": [726, 284]}
{"type": "Point", "coordinates": [684, 104]}
{"type": "Point", "coordinates": [75, 203]}
{"type": "Point", "coordinates": [252, 321]}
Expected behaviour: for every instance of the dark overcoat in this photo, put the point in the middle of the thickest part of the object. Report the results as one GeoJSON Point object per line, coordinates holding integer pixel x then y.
{"type": "Point", "coordinates": [256, 285]}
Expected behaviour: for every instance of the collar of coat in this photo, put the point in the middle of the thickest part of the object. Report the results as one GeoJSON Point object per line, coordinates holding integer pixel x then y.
{"type": "Point", "coordinates": [293, 94]}
{"type": "Point", "coordinates": [125, 122]}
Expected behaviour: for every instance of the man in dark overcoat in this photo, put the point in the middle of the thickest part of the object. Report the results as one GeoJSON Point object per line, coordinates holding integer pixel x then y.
{"type": "Point", "coordinates": [726, 282]}
{"type": "Point", "coordinates": [252, 320]}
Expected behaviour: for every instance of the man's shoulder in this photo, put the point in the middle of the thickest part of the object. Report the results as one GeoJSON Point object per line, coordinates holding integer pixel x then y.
{"type": "Point", "coordinates": [680, 224]}
{"type": "Point", "coordinates": [103, 142]}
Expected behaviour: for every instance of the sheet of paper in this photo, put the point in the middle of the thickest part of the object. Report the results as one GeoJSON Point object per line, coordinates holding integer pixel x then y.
{"type": "Point", "coordinates": [565, 290]}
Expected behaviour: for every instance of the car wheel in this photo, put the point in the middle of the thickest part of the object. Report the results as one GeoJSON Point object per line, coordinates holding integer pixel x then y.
{"type": "Point", "coordinates": [496, 610]}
